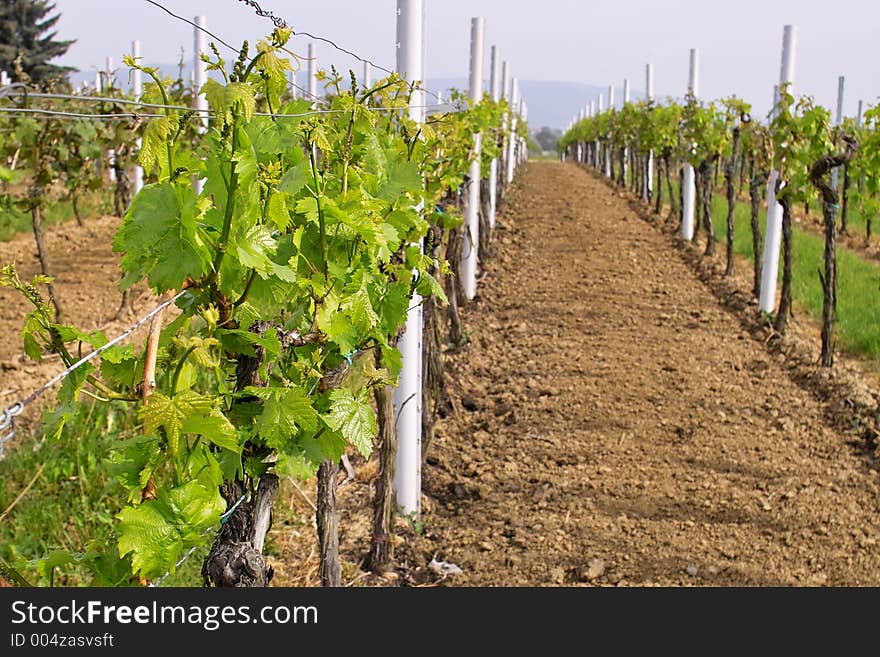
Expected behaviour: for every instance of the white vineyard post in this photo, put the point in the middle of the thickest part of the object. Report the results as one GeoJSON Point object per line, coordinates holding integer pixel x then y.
{"type": "Point", "coordinates": [200, 72]}
{"type": "Point", "coordinates": [423, 93]}
{"type": "Point", "coordinates": [408, 393]}
{"type": "Point", "coordinates": [313, 75]}
{"type": "Point", "coordinates": [589, 110]}
{"type": "Point", "coordinates": [111, 153]}
{"type": "Point", "coordinates": [108, 71]}
{"type": "Point", "coordinates": [838, 119]}
{"type": "Point", "coordinates": [582, 145]}
{"type": "Point", "coordinates": [626, 149]}
{"type": "Point", "coordinates": [511, 142]}
{"type": "Point", "coordinates": [367, 81]}
{"type": "Point", "coordinates": [368, 75]}
{"type": "Point", "coordinates": [4, 79]}
{"type": "Point", "coordinates": [495, 90]}
{"type": "Point", "coordinates": [688, 205]}
{"type": "Point", "coordinates": [517, 153]}
{"type": "Point", "coordinates": [581, 148]}
{"type": "Point", "coordinates": [608, 149]}
{"type": "Point", "coordinates": [137, 89]}
{"type": "Point", "coordinates": [98, 165]}
{"type": "Point", "coordinates": [860, 113]}
{"type": "Point", "coordinates": [517, 117]}
{"type": "Point", "coordinates": [313, 87]}
{"type": "Point", "coordinates": [773, 232]}
{"type": "Point", "coordinates": [200, 77]}
{"type": "Point", "coordinates": [471, 244]}
{"type": "Point", "coordinates": [505, 123]}
{"type": "Point", "coordinates": [520, 143]}
{"type": "Point", "coordinates": [649, 96]}
{"type": "Point", "coordinates": [597, 156]}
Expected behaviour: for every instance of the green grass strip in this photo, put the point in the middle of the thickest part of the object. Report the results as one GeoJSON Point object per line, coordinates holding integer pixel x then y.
{"type": "Point", "coordinates": [858, 312]}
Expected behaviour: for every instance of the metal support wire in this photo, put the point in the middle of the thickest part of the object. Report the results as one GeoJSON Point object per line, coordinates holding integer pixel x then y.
{"type": "Point", "coordinates": [38, 113]}
{"type": "Point", "coordinates": [280, 22]}
{"type": "Point", "coordinates": [7, 416]}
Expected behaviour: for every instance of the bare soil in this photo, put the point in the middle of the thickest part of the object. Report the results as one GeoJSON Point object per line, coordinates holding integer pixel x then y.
{"type": "Point", "coordinates": [619, 417]}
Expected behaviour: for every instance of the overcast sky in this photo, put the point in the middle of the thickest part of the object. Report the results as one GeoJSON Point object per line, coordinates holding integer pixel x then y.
{"type": "Point", "coordinates": [571, 40]}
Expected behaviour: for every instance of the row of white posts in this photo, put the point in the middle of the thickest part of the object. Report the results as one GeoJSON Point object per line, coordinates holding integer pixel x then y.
{"type": "Point", "coordinates": [411, 35]}
{"type": "Point", "coordinates": [773, 233]}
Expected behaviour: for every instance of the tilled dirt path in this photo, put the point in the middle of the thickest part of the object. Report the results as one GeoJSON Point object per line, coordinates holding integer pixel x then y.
{"type": "Point", "coordinates": [613, 424]}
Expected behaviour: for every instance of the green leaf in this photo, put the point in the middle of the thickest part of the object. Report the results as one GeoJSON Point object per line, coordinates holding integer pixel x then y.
{"type": "Point", "coordinates": [429, 287]}
{"type": "Point", "coordinates": [243, 95]}
{"type": "Point", "coordinates": [156, 137]}
{"type": "Point", "coordinates": [157, 532]}
{"type": "Point", "coordinates": [161, 412]}
{"type": "Point", "coordinates": [159, 238]}
{"type": "Point", "coordinates": [120, 367]}
{"type": "Point", "coordinates": [54, 421]}
{"type": "Point", "coordinates": [254, 251]}
{"type": "Point", "coordinates": [354, 418]}
{"type": "Point", "coordinates": [393, 361]}
{"type": "Point", "coordinates": [359, 310]}
{"type": "Point", "coordinates": [215, 94]}
{"type": "Point", "coordinates": [295, 178]}
{"type": "Point", "coordinates": [337, 326]}
{"type": "Point", "coordinates": [108, 569]}
{"type": "Point", "coordinates": [254, 248]}
{"type": "Point", "coordinates": [278, 213]}
{"type": "Point", "coordinates": [271, 139]}
{"type": "Point", "coordinates": [394, 306]}
{"type": "Point", "coordinates": [404, 221]}
{"type": "Point", "coordinates": [309, 207]}
{"type": "Point", "coordinates": [216, 427]}
{"type": "Point", "coordinates": [403, 177]}
{"type": "Point", "coordinates": [135, 464]}
{"type": "Point", "coordinates": [154, 543]}
{"type": "Point", "coordinates": [32, 348]}
{"type": "Point", "coordinates": [196, 507]}
{"type": "Point", "coordinates": [188, 377]}
{"type": "Point", "coordinates": [299, 466]}
{"type": "Point", "coordinates": [286, 412]}
{"type": "Point", "coordinates": [55, 559]}
{"type": "Point", "coordinates": [313, 450]}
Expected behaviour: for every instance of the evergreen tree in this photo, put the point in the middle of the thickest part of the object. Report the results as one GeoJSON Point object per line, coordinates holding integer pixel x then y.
{"type": "Point", "coordinates": [25, 31]}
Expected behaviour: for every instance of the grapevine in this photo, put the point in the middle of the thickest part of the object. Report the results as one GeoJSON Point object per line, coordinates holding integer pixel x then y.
{"type": "Point", "coordinates": [294, 269]}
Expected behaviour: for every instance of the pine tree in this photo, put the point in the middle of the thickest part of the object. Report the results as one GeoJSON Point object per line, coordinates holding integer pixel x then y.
{"type": "Point", "coordinates": [25, 31]}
